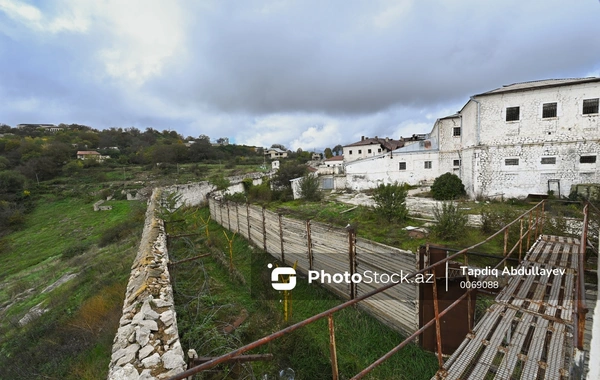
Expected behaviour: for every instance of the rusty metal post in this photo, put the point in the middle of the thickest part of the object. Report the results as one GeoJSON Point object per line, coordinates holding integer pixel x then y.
{"type": "Point", "coordinates": [352, 260]}
{"type": "Point", "coordinates": [542, 216]}
{"type": "Point", "coordinates": [309, 245]}
{"type": "Point", "coordinates": [248, 220]}
{"type": "Point", "coordinates": [281, 238]}
{"type": "Point", "coordinates": [505, 243]}
{"type": "Point", "coordinates": [332, 350]}
{"type": "Point", "coordinates": [228, 217]}
{"type": "Point", "coordinates": [469, 317]}
{"type": "Point", "coordinates": [529, 231]}
{"type": "Point", "coordinates": [264, 225]}
{"type": "Point", "coordinates": [237, 217]}
{"type": "Point", "coordinates": [581, 304]}
{"type": "Point", "coordinates": [521, 240]}
{"type": "Point", "coordinates": [438, 327]}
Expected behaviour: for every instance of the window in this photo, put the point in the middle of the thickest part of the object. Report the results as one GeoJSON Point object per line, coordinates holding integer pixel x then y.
{"type": "Point", "coordinates": [427, 164]}
{"type": "Point", "coordinates": [590, 106]}
{"type": "Point", "coordinates": [456, 162]}
{"type": "Point", "coordinates": [359, 151]}
{"type": "Point", "coordinates": [587, 159]}
{"type": "Point", "coordinates": [456, 131]}
{"type": "Point", "coordinates": [349, 152]}
{"type": "Point", "coordinates": [512, 113]}
{"type": "Point", "coordinates": [548, 160]}
{"type": "Point", "coordinates": [379, 150]}
{"type": "Point", "coordinates": [511, 161]}
{"type": "Point", "coordinates": [369, 151]}
{"type": "Point", "coordinates": [402, 166]}
{"type": "Point", "coordinates": [548, 110]}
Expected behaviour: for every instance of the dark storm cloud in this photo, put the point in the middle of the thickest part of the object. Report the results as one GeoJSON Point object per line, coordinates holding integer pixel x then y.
{"type": "Point", "coordinates": [329, 57]}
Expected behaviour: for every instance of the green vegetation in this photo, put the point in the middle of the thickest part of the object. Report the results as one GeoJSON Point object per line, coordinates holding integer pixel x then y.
{"type": "Point", "coordinates": [309, 188]}
{"type": "Point", "coordinates": [209, 299]}
{"type": "Point", "coordinates": [60, 237]}
{"type": "Point", "coordinates": [389, 200]}
{"type": "Point", "coordinates": [450, 221]}
{"type": "Point", "coordinates": [448, 186]}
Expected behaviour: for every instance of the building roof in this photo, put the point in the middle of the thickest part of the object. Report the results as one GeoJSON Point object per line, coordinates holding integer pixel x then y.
{"type": "Point", "coordinates": [276, 150]}
{"type": "Point", "coordinates": [335, 158]}
{"type": "Point", "coordinates": [539, 84]}
{"type": "Point", "coordinates": [387, 143]}
{"type": "Point", "coordinates": [84, 152]}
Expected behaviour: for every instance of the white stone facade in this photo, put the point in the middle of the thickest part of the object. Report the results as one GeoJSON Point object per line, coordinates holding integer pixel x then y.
{"type": "Point", "coordinates": [537, 152]}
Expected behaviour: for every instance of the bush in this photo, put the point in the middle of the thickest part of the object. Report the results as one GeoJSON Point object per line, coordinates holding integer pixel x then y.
{"type": "Point", "coordinates": [117, 233]}
{"type": "Point", "coordinates": [76, 250]}
{"type": "Point", "coordinates": [309, 188]}
{"type": "Point", "coordinates": [260, 193]}
{"type": "Point", "coordinates": [447, 187]}
{"type": "Point", "coordinates": [389, 200]}
{"type": "Point", "coordinates": [451, 221]}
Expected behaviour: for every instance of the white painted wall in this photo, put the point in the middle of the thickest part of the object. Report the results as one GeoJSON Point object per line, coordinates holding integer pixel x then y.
{"type": "Point", "coordinates": [487, 140]}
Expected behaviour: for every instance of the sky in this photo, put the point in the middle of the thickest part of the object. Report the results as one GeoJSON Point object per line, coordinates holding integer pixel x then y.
{"type": "Point", "coordinates": [305, 74]}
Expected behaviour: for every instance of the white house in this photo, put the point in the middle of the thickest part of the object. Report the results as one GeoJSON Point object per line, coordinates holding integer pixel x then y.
{"type": "Point", "coordinates": [520, 139]}
{"type": "Point", "coordinates": [275, 153]}
{"type": "Point", "coordinates": [369, 147]}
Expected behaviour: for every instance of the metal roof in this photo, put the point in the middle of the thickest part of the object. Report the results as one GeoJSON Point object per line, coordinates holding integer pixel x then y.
{"type": "Point", "coordinates": [539, 84]}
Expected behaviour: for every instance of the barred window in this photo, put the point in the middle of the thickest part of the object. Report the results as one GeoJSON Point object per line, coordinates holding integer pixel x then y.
{"type": "Point", "coordinates": [587, 159]}
{"type": "Point", "coordinates": [590, 106]}
{"type": "Point", "coordinates": [511, 161]}
{"type": "Point", "coordinates": [456, 162]}
{"type": "Point", "coordinates": [402, 166]}
{"type": "Point", "coordinates": [513, 113]}
{"type": "Point", "coordinates": [360, 151]}
{"type": "Point", "coordinates": [427, 164]}
{"type": "Point", "coordinates": [548, 160]}
{"type": "Point", "coordinates": [369, 150]}
{"type": "Point", "coordinates": [456, 131]}
{"type": "Point", "coordinates": [549, 110]}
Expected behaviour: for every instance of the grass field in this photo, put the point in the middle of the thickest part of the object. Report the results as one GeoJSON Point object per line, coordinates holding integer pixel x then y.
{"type": "Point", "coordinates": [208, 299]}
{"type": "Point", "coordinates": [73, 338]}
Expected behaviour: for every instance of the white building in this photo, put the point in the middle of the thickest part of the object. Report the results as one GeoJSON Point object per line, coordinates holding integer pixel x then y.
{"type": "Point", "coordinates": [274, 153]}
{"type": "Point", "coordinates": [520, 139]}
{"type": "Point", "coordinates": [369, 147]}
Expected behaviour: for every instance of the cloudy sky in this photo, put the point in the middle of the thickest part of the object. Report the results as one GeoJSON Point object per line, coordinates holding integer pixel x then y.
{"type": "Point", "coordinates": [307, 74]}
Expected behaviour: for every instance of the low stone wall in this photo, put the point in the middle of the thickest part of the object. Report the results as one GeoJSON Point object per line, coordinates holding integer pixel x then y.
{"type": "Point", "coordinates": [147, 345]}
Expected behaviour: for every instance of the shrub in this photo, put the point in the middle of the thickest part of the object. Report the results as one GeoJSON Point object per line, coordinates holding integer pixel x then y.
{"type": "Point", "coordinates": [389, 200]}
{"type": "Point", "coordinates": [260, 193]}
{"type": "Point", "coordinates": [76, 249]}
{"type": "Point", "coordinates": [451, 221]}
{"type": "Point", "coordinates": [447, 187]}
{"type": "Point", "coordinates": [309, 188]}
{"type": "Point", "coordinates": [116, 233]}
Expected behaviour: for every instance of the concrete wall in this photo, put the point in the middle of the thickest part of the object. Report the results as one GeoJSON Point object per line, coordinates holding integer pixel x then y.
{"type": "Point", "coordinates": [194, 194]}
{"type": "Point", "coordinates": [147, 345]}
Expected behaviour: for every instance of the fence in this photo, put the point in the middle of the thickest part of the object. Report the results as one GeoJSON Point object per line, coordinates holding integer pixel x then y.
{"type": "Point", "coordinates": [317, 246]}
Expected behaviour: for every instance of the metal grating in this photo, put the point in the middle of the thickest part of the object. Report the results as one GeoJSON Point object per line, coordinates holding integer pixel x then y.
{"type": "Point", "coordinates": [528, 333]}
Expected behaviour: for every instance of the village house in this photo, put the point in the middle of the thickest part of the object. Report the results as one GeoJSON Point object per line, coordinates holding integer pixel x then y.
{"type": "Point", "coordinates": [275, 153]}
{"type": "Point", "coordinates": [91, 155]}
{"type": "Point", "coordinates": [369, 147]}
{"type": "Point", "coordinates": [526, 138]}
{"type": "Point", "coordinates": [333, 165]}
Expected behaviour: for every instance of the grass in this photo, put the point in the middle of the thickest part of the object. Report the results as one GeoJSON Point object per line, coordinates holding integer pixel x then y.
{"type": "Point", "coordinates": [207, 299]}
{"type": "Point", "coordinates": [73, 339]}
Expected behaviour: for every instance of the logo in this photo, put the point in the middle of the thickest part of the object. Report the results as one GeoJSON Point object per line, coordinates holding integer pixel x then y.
{"type": "Point", "coordinates": [288, 283]}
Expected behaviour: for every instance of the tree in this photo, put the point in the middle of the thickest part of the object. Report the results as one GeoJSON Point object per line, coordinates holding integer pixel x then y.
{"type": "Point", "coordinates": [328, 153]}
{"type": "Point", "coordinates": [309, 187]}
{"type": "Point", "coordinates": [288, 171]}
{"type": "Point", "coordinates": [451, 221]}
{"type": "Point", "coordinates": [338, 149]}
{"type": "Point", "coordinates": [280, 146]}
{"type": "Point", "coordinates": [389, 201]}
{"type": "Point", "coordinates": [447, 187]}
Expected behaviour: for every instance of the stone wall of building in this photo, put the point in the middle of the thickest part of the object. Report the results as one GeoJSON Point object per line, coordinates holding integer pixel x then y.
{"type": "Point", "coordinates": [147, 345]}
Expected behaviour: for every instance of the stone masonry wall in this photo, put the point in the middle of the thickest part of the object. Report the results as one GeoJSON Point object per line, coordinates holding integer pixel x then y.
{"type": "Point", "coordinates": [147, 345]}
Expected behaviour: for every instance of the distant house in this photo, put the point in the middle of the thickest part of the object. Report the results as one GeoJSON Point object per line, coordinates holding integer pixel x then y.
{"type": "Point", "coordinates": [47, 127]}
{"type": "Point", "coordinates": [275, 153]}
{"type": "Point", "coordinates": [370, 147]}
{"type": "Point", "coordinates": [333, 165]}
{"type": "Point", "coordinates": [316, 156]}
{"type": "Point", "coordinates": [91, 155]}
